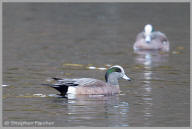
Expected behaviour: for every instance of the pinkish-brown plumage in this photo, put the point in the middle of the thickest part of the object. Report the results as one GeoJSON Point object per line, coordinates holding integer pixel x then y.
{"type": "Point", "coordinates": [98, 87]}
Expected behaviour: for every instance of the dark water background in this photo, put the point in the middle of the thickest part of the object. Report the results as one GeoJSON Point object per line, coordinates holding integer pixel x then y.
{"type": "Point", "coordinates": [63, 39]}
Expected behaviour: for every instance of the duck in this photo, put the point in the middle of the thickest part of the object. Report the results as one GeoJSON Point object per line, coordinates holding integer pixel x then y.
{"type": "Point", "coordinates": [90, 86]}
{"type": "Point", "coordinates": [151, 40]}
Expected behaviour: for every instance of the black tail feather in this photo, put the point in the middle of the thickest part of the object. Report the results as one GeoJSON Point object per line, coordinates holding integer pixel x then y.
{"type": "Point", "coordinates": [55, 78]}
{"type": "Point", "coordinates": [61, 88]}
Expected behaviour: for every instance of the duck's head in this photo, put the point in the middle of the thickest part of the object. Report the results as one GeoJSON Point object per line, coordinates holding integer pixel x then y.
{"type": "Point", "coordinates": [147, 31]}
{"type": "Point", "coordinates": [114, 73]}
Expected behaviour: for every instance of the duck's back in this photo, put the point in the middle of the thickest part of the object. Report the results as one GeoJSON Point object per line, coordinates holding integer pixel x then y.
{"type": "Point", "coordinates": [159, 35]}
{"type": "Point", "coordinates": [154, 35]}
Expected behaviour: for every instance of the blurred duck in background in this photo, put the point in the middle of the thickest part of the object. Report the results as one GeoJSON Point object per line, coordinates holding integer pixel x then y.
{"type": "Point", "coordinates": [151, 40]}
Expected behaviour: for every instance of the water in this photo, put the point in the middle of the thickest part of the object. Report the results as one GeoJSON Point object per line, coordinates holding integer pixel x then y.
{"type": "Point", "coordinates": [81, 40]}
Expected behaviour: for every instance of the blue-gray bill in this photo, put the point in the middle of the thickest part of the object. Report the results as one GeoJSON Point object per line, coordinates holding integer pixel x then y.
{"type": "Point", "coordinates": [126, 78]}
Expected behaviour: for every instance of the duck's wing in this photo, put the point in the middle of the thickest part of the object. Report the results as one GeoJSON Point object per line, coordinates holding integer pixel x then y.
{"type": "Point", "coordinates": [89, 82]}
{"type": "Point", "coordinates": [80, 82]}
{"type": "Point", "coordinates": [159, 35]}
{"type": "Point", "coordinates": [140, 36]}
{"type": "Point", "coordinates": [65, 82]}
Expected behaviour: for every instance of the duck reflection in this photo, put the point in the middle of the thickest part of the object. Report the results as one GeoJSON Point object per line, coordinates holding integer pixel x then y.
{"type": "Point", "coordinates": [94, 110]}
{"type": "Point", "coordinates": [148, 59]}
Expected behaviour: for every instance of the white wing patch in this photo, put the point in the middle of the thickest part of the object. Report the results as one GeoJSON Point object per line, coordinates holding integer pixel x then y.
{"type": "Point", "coordinates": [71, 90]}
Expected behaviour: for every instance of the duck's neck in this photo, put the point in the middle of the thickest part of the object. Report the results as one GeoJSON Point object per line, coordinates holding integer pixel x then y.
{"type": "Point", "coordinates": [112, 79]}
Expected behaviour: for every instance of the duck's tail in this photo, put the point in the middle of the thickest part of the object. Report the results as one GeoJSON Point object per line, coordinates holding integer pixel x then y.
{"type": "Point", "coordinates": [59, 87]}
{"type": "Point", "coordinates": [62, 84]}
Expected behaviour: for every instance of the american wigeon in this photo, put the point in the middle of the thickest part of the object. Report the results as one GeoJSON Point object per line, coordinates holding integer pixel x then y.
{"type": "Point", "coordinates": [151, 40]}
{"type": "Point", "coordinates": [90, 85]}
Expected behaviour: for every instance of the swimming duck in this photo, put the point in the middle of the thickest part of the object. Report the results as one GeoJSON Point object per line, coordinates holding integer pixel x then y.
{"type": "Point", "coordinates": [151, 40]}
{"type": "Point", "coordinates": [90, 85]}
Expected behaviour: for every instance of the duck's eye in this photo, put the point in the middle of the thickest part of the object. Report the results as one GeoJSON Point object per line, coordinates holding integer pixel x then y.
{"type": "Point", "coordinates": [117, 70]}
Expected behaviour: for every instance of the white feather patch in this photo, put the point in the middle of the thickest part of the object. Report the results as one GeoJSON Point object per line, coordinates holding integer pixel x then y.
{"type": "Point", "coordinates": [71, 90]}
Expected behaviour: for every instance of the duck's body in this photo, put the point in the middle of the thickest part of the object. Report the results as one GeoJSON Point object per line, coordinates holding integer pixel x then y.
{"type": "Point", "coordinates": [151, 40]}
{"type": "Point", "coordinates": [84, 86]}
{"type": "Point", "coordinates": [90, 85]}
